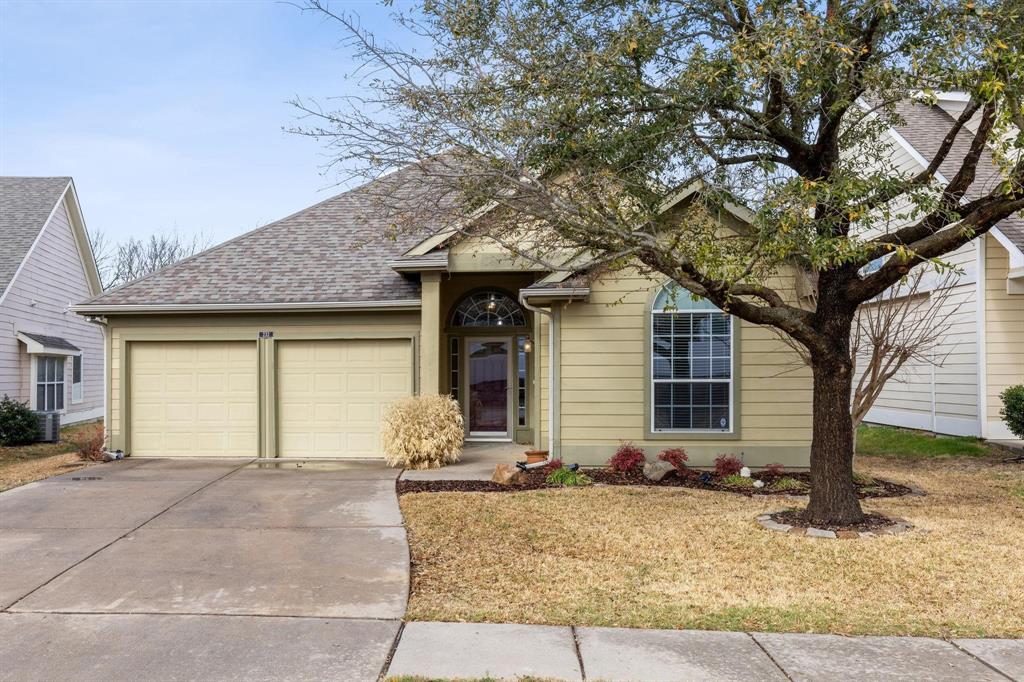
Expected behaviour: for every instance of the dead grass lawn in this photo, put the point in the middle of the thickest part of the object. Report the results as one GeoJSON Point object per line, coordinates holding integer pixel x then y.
{"type": "Point", "coordinates": [680, 558]}
{"type": "Point", "coordinates": [26, 463]}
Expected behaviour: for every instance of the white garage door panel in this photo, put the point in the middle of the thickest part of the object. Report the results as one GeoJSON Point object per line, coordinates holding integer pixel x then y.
{"type": "Point", "coordinates": [194, 399]}
{"type": "Point", "coordinates": [331, 394]}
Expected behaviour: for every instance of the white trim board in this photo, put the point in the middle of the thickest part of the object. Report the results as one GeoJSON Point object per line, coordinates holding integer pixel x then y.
{"type": "Point", "coordinates": [923, 421]}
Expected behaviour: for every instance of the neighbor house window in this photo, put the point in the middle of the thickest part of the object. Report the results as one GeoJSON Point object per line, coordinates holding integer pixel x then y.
{"type": "Point", "coordinates": [49, 383]}
{"type": "Point", "coordinates": [76, 378]}
{"type": "Point", "coordinates": [691, 364]}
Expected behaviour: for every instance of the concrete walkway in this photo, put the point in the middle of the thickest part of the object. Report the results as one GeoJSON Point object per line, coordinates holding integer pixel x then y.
{"type": "Point", "coordinates": [202, 570]}
{"type": "Point", "coordinates": [471, 651]}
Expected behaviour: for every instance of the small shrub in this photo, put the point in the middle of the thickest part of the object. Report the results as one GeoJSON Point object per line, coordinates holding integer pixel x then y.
{"type": "Point", "coordinates": [727, 465]}
{"type": "Point", "coordinates": [787, 483]}
{"type": "Point", "coordinates": [627, 458]}
{"type": "Point", "coordinates": [737, 481]}
{"type": "Point", "coordinates": [676, 457]}
{"type": "Point", "coordinates": [422, 432]}
{"type": "Point", "coordinates": [567, 477]}
{"type": "Point", "coordinates": [775, 469]}
{"type": "Point", "coordinates": [862, 479]}
{"type": "Point", "coordinates": [18, 425]}
{"type": "Point", "coordinates": [552, 465]}
{"type": "Point", "coordinates": [90, 448]}
{"type": "Point", "coordinates": [1013, 409]}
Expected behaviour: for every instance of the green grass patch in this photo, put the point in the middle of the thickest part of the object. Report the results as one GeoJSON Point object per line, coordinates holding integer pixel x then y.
{"type": "Point", "coordinates": [888, 441]}
{"type": "Point", "coordinates": [787, 483]}
{"type": "Point", "coordinates": [737, 481]}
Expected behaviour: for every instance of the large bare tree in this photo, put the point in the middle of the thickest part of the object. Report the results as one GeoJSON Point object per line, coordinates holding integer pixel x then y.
{"type": "Point", "coordinates": [580, 120]}
{"type": "Point", "coordinates": [123, 262]}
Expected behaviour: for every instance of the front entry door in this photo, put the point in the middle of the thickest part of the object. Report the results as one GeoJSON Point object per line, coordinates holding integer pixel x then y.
{"type": "Point", "coordinates": [488, 365]}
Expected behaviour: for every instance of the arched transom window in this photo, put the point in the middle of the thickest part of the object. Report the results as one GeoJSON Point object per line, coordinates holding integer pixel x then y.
{"type": "Point", "coordinates": [488, 309]}
{"type": "Point", "coordinates": [691, 364]}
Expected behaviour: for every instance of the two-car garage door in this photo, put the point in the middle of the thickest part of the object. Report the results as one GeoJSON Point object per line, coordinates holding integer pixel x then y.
{"type": "Point", "coordinates": [202, 398]}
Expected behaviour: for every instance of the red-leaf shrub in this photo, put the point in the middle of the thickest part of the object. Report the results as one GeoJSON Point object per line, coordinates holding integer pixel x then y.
{"type": "Point", "coordinates": [775, 469]}
{"type": "Point", "coordinates": [552, 465]}
{"type": "Point", "coordinates": [727, 465]}
{"type": "Point", "coordinates": [676, 457]}
{"type": "Point", "coordinates": [627, 458]}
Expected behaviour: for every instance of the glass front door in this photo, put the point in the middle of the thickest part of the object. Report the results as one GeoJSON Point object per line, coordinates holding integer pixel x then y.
{"type": "Point", "coordinates": [487, 371]}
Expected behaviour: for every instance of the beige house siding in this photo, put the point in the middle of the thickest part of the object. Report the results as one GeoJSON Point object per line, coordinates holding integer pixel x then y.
{"type": "Point", "coordinates": [603, 353]}
{"type": "Point", "coordinates": [123, 330]}
{"type": "Point", "coordinates": [1004, 335]}
{"type": "Point", "coordinates": [51, 278]}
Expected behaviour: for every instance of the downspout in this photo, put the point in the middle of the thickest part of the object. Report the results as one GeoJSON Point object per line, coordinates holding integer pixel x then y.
{"type": "Point", "coordinates": [101, 320]}
{"type": "Point", "coordinates": [552, 330]}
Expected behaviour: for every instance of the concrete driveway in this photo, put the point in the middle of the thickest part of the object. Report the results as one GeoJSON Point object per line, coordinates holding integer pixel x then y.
{"type": "Point", "coordinates": [178, 569]}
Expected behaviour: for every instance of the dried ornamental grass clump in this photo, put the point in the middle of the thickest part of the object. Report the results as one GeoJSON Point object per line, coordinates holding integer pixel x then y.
{"type": "Point", "coordinates": [422, 432]}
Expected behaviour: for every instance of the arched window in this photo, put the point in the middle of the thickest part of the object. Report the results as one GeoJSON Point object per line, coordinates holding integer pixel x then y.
{"type": "Point", "coordinates": [691, 364]}
{"type": "Point", "coordinates": [488, 309]}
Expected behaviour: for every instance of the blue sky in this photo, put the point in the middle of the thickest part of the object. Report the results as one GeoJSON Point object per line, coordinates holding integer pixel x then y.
{"type": "Point", "coordinates": [169, 114]}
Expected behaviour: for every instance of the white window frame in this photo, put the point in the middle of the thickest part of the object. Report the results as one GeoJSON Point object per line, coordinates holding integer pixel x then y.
{"type": "Point", "coordinates": [78, 388]}
{"type": "Point", "coordinates": [683, 300]}
{"type": "Point", "coordinates": [35, 383]}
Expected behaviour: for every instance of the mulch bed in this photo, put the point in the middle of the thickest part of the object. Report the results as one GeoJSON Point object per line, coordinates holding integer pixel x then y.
{"type": "Point", "coordinates": [871, 522]}
{"type": "Point", "coordinates": [692, 479]}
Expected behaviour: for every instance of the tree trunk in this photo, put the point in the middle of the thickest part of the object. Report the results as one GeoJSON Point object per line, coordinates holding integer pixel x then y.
{"type": "Point", "coordinates": [833, 495]}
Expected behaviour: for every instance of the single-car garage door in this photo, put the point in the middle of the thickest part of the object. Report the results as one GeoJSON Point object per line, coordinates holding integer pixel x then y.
{"type": "Point", "coordinates": [195, 399]}
{"type": "Point", "coordinates": [331, 394]}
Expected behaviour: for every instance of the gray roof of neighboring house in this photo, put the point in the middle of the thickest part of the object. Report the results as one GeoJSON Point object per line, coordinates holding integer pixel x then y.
{"type": "Point", "coordinates": [336, 251]}
{"type": "Point", "coordinates": [51, 341]}
{"type": "Point", "coordinates": [25, 205]}
{"type": "Point", "coordinates": [925, 127]}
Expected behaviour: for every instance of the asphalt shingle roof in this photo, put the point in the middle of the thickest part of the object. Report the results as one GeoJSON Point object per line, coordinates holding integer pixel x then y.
{"type": "Point", "coordinates": [334, 251]}
{"type": "Point", "coordinates": [25, 204]}
{"type": "Point", "coordinates": [52, 341]}
{"type": "Point", "coordinates": [925, 127]}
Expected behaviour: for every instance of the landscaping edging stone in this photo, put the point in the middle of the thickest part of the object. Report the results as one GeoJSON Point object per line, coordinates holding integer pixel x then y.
{"type": "Point", "coordinates": [898, 527]}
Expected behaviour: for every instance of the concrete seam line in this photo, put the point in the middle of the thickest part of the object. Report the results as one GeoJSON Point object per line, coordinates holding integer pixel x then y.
{"type": "Point", "coordinates": [391, 652]}
{"type": "Point", "coordinates": [770, 657]}
{"type": "Point", "coordinates": [979, 660]}
{"type": "Point", "coordinates": [126, 533]}
{"type": "Point", "coordinates": [579, 653]}
{"type": "Point", "coordinates": [196, 614]}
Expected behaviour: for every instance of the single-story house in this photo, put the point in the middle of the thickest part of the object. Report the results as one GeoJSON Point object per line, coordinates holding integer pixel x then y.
{"type": "Point", "coordinates": [290, 340]}
{"type": "Point", "coordinates": [983, 352]}
{"type": "Point", "coordinates": [50, 357]}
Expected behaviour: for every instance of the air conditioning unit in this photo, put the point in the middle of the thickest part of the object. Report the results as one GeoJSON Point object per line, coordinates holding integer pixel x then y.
{"type": "Point", "coordinates": [49, 426]}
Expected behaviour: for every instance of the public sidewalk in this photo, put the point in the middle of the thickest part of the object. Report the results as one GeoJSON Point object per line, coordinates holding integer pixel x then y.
{"type": "Point", "coordinates": [497, 651]}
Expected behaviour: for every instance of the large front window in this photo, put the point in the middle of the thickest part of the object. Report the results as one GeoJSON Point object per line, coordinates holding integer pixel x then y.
{"type": "Point", "coordinates": [691, 364]}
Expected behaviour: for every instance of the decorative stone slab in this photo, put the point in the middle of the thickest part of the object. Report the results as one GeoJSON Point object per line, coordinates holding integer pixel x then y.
{"type": "Point", "coordinates": [765, 520]}
{"type": "Point", "coordinates": [819, 533]}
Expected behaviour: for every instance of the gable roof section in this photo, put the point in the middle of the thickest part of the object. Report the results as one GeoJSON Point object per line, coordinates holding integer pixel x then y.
{"type": "Point", "coordinates": [925, 127]}
{"type": "Point", "coordinates": [332, 254]}
{"type": "Point", "coordinates": [26, 205]}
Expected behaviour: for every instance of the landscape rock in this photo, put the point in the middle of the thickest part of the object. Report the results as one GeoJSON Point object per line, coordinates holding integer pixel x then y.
{"type": "Point", "coordinates": [819, 533]}
{"type": "Point", "coordinates": [508, 474]}
{"type": "Point", "coordinates": [655, 471]}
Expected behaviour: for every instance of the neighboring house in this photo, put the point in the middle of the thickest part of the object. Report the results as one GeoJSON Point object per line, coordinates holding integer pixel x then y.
{"type": "Point", "coordinates": [50, 357]}
{"type": "Point", "coordinates": [288, 341]}
{"type": "Point", "coordinates": [984, 350]}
